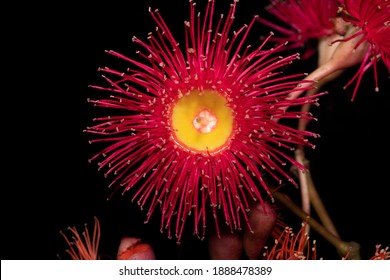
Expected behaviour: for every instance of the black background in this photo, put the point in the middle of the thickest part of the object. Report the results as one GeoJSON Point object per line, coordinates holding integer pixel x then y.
{"type": "Point", "coordinates": [52, 53]}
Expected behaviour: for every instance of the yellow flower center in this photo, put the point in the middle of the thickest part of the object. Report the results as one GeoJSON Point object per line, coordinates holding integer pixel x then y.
{"type": "Point", "coordinates": [202, 122]}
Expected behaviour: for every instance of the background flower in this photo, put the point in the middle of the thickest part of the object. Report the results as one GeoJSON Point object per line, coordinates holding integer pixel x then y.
{"type": "Point", "coordinates": [301, 23]}
{"type": "Point", "coordinates": [371, 21]}
{"type": "Point", "coordinates": [83, 245]}
{"type": "Point", "coordinates": [291, 245]}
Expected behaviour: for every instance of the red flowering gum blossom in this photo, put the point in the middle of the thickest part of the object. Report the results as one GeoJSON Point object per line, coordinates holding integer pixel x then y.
{"type": "Point", "coordinates": [365, 27]}
{"type": "Point", "coordinates": [83, 246]}
{"type": "Point", "coordinates": [192, 130]}
{"type": "Point", "coordinates": [381, 253]}
{"type": "Point", "coordinates": [302, 22]}
{"type": "Point", "coordinates": [371, 19]}
{"type": "Point", "coordinates": [291, 246]}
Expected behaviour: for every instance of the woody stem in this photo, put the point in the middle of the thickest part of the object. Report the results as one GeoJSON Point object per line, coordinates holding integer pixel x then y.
{"type": "Point", "coordinates": [352, 249]}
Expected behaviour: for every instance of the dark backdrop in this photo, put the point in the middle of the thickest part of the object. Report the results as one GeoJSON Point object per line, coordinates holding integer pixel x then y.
{"type": "Point", "coordinates": [52, 56]}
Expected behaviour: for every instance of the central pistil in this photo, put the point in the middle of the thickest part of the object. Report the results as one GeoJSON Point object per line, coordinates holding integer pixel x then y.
{"type": "Point", "coordinates": [205, 121]}
{"type": "Point", "coordinates": [202, 122]}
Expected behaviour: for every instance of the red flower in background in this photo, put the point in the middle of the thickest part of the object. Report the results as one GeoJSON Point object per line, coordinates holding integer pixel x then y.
{"type": "Point", "coordinates": [304, 22]}
{"type": "Point", "coordinates": [291, 246]}
{"type": "Point", "coordinates": [298, 246]}
{"type": "Point", "coordinates": [192, 129]}
{"type": "Point", "coordinates": [381, 253]}
{"type": "Point", "coordinates": [83, 246]}
{"type": "Point", "coordinates": [371, 19]}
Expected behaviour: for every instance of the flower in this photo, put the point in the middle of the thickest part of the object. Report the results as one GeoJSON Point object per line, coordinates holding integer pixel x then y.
{"type": "Point", "coordinates": [364, 26]}
{"type": "Point", "coordinates": [83, 247]}
{"type": "Point", "coordinates": [194, 128]}
{"type": "Point", "coordinates": [371, 19]}
{"type": "Point", "coordinates": [291, 246]}
{"type": "Point", "coordinates": [305, 21]}
{"type": "Point", "coordinates": [381, 254]}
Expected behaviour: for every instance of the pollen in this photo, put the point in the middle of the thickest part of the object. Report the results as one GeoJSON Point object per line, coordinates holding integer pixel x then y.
{"type": "Point", "coordinates": [205, 121]}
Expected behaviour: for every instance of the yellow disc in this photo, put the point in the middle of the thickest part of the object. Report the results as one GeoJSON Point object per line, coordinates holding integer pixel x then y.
{"type": "Point", "coordinates": [202, 122]}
